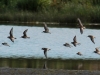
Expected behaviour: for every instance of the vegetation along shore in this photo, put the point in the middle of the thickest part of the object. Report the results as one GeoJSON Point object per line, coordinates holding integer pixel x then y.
{"type": "Point", "coordinates": [60, 11]}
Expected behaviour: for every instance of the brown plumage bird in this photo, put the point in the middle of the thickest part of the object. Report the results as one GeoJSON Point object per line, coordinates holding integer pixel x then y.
{"type": "Point", "coordinates": [75, 41]}
{"type": "Point", "coordinates": [11, 35]}
{"type": "Point", "coordinates": [5, 44]}
{"type": "Point", "coordinates": [67, 45]}
{"type": "Point", "coordinates": [24, 34]}
{"type": "Point", "coordinates": [81, 26]}
{"type": "Point", "coordinates": [79, 53]}
{"type": "Point", "coordinates": [97, 51]}
{"type": "Point", "coordinates": [45, 51]}
{"type": "Point", "coordinates": [91, 38]}
{"type": "Point", "coordinates": [46, 28]}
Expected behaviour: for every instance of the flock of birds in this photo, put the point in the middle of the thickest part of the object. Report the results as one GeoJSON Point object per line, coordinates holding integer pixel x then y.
{"type": "Point", "coordinates": [75, 41]}
{"type": "Point", "coordinates": [46, 30]}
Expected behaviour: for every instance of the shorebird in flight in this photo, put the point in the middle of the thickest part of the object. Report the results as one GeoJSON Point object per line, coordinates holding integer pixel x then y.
{"type": "Point", "coordinates": [45, 51]}
{"type": "Point", "coordinates": [24, 34]}
{"type": "Point", "coordinates": [6, 44]}
{"type": "Point", "coordinates": [11, 35]}
{"type": "Point", "coordinates": [46, 28]}
{"type": "Point", "coordinates": [79, 53]}
{"type": "Point", "coordinates": [91, 38]}
{"type": "Point", "coordinates": [97, 51]}
{"type": "Point", "coordinates": [67, 45]}
{"type": "Point", "coordinates": [75, 41]}
{"type": "Point", "coordinates": [81, 26]}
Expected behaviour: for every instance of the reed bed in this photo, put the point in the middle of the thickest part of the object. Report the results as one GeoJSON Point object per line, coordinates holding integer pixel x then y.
{"type": "Point", "coordinates": [66, 12]}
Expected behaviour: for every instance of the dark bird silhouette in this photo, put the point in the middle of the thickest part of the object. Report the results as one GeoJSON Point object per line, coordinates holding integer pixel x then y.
{"type": "Point", "coordinates": [45, 51]}
{"type": "Point", "coordinates": [91, 38]}
{"type": "Point", "coordinates": [24, 34]}
{"type": "Point", "coordinates": [79, 53]}
{"type": "Point", "coordinates": [6, 44]}
{"type": "Point", "coordinates": [11, 35]}
{"type": "Point", "coordinates": [97, 51]}
{"type": "Point", "coordinates": [67, 45]}
{"type": "Point", "coordinates": [46, 28]}
{"type": "Point", "coordinates": [75, 41]}
{"type": "Point", "coordinates": [81, 26]}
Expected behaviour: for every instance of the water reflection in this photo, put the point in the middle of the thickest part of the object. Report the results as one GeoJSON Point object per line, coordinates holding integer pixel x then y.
{"type": "Point", "coordinates": [51, 64]}
{"type": "Point", "coordinates": [23, 51]}
{"type": "Point", "coordinates": [80, 65]}
{"type": "Point", "coordinates": [45, 65]}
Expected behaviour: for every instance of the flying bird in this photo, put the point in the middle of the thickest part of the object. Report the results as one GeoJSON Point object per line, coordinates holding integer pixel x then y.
{"type": "Point", "coordinates": [75, 41]}
{"type": "Point", "coordinates": [24, 34]}
{"type": "Point", "coordinates": [11, 35]}
{"type": "Point", "coordinates": [67, 45]}
{"type": "Point", "coordinates": [6, 44]}
{"type": "Point", "coordinates": [91, 38]}
{"type": "Point", "coordinates": [46, 28]}
{"type": "Point", "coordinates": [45, 51]}
{"type": "Point", "coordinates": [79, 53]}
{"type": "Point", "coordinates": [97, 51]}
{"type": "Point", "coordinates": [81, 26]}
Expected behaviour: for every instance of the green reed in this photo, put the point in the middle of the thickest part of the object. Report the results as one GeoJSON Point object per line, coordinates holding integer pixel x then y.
{"type": "Point", "coordinates": [59, 12]}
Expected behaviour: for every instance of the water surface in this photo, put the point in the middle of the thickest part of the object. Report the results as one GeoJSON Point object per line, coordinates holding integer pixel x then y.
{"type": "Point", "coordinates": [31, 48]}
{"type": "Point", "coordinates": [27, 53]}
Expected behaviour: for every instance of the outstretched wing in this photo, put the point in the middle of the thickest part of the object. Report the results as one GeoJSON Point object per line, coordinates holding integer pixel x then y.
{"type": "Point", "coordinates": [24, 33]}
{"type": "Point", "coordinates": [80, 23]}
{"type": "Point", "coordinates": [74, 44]}
{"type": "Point", "coordinates": [96, 49]}
{"type": "Point", "coordinates": [45, 27]}
{"type": "Point", "coordinates": [45, 53]}
{"type": "Point", "coordinates": [74, 39]}
{"type": "Point", "coordinates": [92, 39]}
{"type": "Point", "coordinates": [11, 32]}
{"type": "Point", "coordinates": [81, 30]}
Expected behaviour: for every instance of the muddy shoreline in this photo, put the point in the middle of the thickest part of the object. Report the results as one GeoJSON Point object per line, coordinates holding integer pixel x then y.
{"type": "Point", "coordinates": [31, 71]}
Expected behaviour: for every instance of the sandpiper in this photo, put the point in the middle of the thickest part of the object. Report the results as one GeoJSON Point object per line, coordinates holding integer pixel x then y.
{"type": "Point", "coordinates": [91, 38]}
{"type": "Point", "coordinates": [79, 53]}
{"type": "Point", "coordinates": [24, 34]}
{"type": "Point", "coordinates": [46, 28]}
{"type": "Point", "coordinates": [81, 26]}
{"type": "Point", "coordinates": [45, 51]}
{"type": "Point", "coordinates": [75, 41]}
{"type": "Point", "coordinates": [97, 51]}
{"type": "Point", "coordinates": [6, 44]}
{"type": "Point", "coordinates": [67, 45]}
{"type": "Point", "coordinates": [11, 35]}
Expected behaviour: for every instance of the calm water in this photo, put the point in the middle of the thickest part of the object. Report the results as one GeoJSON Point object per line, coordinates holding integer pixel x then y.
{"type": "Point", "coordinates": [31, 48]}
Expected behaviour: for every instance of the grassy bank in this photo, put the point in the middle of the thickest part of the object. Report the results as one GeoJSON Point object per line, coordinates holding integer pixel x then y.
{"type": "Point", "coordinates": [63, 12]}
